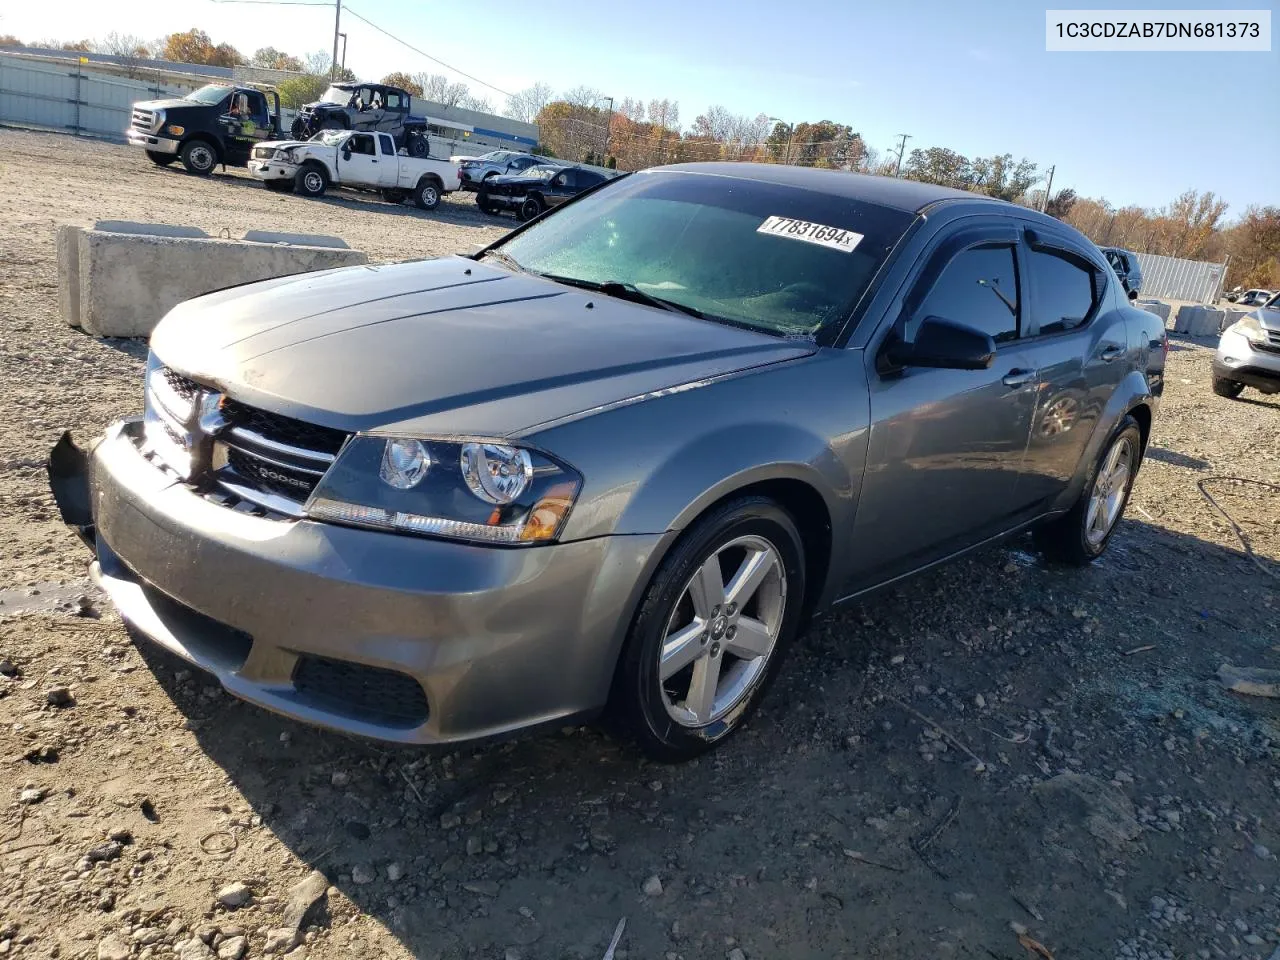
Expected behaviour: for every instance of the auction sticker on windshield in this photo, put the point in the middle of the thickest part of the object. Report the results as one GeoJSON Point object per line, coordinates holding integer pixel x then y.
{"type": "Point", "coordinates": [833, 237]}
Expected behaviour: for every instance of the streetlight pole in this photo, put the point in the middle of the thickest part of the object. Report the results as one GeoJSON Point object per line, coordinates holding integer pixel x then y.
{"type": "Point", "coordinates": [791, 135]}
{"type": "Point", "coordinates": [1044, 201]}
{"type": "Point", "coordinates": [607, 124]}
{"type": "Point", "coordinates": [344, 51]}
{"type": "Point", "coordinates": [337, 23]}
{"type": "Point", "coordinates": [902, 148]}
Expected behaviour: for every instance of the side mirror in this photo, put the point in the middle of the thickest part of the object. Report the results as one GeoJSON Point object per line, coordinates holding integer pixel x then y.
{"type": "Point", "coordinates": [944, 345]}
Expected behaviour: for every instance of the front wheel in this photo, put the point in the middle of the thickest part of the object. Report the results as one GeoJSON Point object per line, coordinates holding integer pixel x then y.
{"type": "Point", "coordinates": [712, 630]}
{"type": "Point", "coordinates": [483, 201]}
{"type": "Point", "coordinates": [531, 208]}
{"type": "Point", "coordinates": [310, 182]}
{"type": "Point", "coordinates": [1082, 534]}
{"type": "Point", "coordinates": [198, 157]}
{"type": "Point", "coordinates": [161, 159]}
{"type": "Point", "coordinates": [1227, 388]}
{"type": "Point", "coordinates": [427, 195]}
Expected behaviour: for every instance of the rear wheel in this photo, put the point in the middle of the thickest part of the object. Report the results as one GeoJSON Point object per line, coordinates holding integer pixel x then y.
{"type": "Point", "coordinates": [427, 194]}
{"type": "Point", "coordinates": [310, 181]}
{"type": "Point", "coordinates": [199, 157]}
{"type": "Point", "coordinates": [1080, 537]}
{"type": "Point", "coordinates": [531, 208]}
{"type": "Point", "coordinates": [161, 159]}
{"type": "Point", "coordinates": [712, 630]}
{"type": "Point", "coordinates": [1227, 388]}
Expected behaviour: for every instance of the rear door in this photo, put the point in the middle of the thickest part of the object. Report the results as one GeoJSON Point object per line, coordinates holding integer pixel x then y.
{"type": "Point", "coordinates": [1078, 342]}
{"type": "Point", "coordinates": [358, 161]}
{"type": "Point", "coordinates": [946, 446]}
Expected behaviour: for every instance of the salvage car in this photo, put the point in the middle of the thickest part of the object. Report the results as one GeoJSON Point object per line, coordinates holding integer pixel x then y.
{"type": "Point", "coordinates": [1249, 353]}
{"type": "Point", "coordinates": [1128, 269]}
{"type": "Point", "coordinates": [217, 124]}
{"type": "Point", "coordinates": [476, 170]}
{"type": "Point", "coordinates": [364, 161]}
{"type": "Point", "coordinates": [534, 190]}
{"type": "Point", "coordinates": [617, 459]}
{"type": "Point", "coordinates": [375, 107]}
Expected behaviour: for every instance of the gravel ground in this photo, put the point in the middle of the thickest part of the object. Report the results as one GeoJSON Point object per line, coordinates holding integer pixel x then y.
{"type": "Point", "coordinates": [999, 759]}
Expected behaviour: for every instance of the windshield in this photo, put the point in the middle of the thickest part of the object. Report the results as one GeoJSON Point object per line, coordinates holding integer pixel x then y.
{"type": "Point", "coordinates": [211, 94]}
{"type": "Point", "coordinates": [778, 259]}
{"type": "Point", "coordinates": [330, 138]}
{"type": "Point", "coordinates": [336, 95]}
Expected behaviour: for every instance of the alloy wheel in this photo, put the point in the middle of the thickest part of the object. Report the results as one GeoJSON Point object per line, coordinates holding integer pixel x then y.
{"type": "Point", "coordinates": [1109, 491]}
{"type": "Point", "coordinates": [313, 181]}
{"type": "Point", "coordinates": [722, 631]}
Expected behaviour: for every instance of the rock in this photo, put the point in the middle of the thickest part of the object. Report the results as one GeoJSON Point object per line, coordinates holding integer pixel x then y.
{"type": "Point", "coordinates": [362, 873]}
{"type": "Point", "coordinates": [145, 936]}
{"type": "Point", "coordinates": [232, 948]}
{"type": "Point", "coordinates": [59, 697]}
{"type": "Point", "coordinates": [485, 888]}
{"type": "Point", "coordinates": [194, 949]}
{"type": "Point", "coordinates": [395, 872]}
{"type": "Point", "coordinates": [1107, 813]}
{"type": "Point", "coordinates": [340, 779]}
{"type": "Point", "coordinates": [305, 900]}
{"type": "Point", "coordinates": [120, 834]}
{"type": "Point", "coordinates": [113, 947]}
{"type": "Point", "coordinates": [512, 954]}
{"type": "Point", "coordinates": [652, 887]}
{"type": "Point", "coordinates": [234, 895]}
{"type": "Point", "coordinates": [1253, 940]}
{"type": "Point", "coordinates": [1171, 816]}
{"type": "Point", "coordinates": [281, 940]}
{"type": "Point", "coordinates": [105, 852]}
{"type": "Point", "coordinates": [31, 795]}
{"type": "Point", "coordinates": [8, 668]}
{"type": "Point", "coordinates": [1261, 852]}
{"type": "Point", "coordinates": [962, 900]}
{"type": "Point", "coordinates": [474, 845]}
{"type": "Point", "coordinates": [450, 821]}
{"type": "Point", "coordinates": [979, 701]}
{"type": "Point", "coordinates": [735, 954]}
{"type": "Point", "coordinates": [897, 658]}
{"type": "Point", "coordinates": [1253, 681]}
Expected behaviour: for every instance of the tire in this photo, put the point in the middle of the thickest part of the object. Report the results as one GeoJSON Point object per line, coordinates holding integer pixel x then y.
{"type": "Point", "coordinates": [161, 159]}
{"type": "Point", "coordinates": [1227, 388]}
{"type": "Point", "coordinates": [199, 157]}
{"type": "Point", "coordinates": [531, 207]}
{"type": "Point", "coordinates": [667, 717]}
{"type": "Point", "coordinates": [482, 201]}
{"type": "Point", "coordinates": [278, 186]}
{"type": "Point", "coordinates": [1081, 536]}
{"type": "Point", "coordinates": [311, 181]}
{"type": "Point", "coordinates": [427, 193]}
{"type": "Point", "coordinates": [417, 145]}
{"type": "Point", "coordinates": [298, 130]}
{"type": "Point", "coordinates": [393, 196]}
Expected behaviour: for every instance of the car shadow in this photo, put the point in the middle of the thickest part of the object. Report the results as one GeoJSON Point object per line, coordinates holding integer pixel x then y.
{"type": "Point", "coordinates": [1174, 458]}
{"type": "Point", "coordinates": [1259, 401]}
{"type": "Point", "coordinates": [541, 844]}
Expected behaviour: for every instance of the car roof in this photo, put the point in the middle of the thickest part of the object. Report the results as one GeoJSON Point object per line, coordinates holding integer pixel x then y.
{"type": "Point", "coordinates": [909, 195]}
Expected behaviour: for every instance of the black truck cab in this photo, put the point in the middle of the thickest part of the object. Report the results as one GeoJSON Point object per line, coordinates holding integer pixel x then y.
{"type": "Point", "coordinates": [217, 124]}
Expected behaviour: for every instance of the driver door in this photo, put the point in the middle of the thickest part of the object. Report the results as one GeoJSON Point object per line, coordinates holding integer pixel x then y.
{"type": "Point", "coordinates": [358, 160]}
{"type": "Point", "coordinates": [946, 446]}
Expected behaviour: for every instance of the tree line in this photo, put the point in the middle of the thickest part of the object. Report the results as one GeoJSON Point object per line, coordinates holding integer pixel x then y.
{"type": "Point", "coordinates": [583, 125]}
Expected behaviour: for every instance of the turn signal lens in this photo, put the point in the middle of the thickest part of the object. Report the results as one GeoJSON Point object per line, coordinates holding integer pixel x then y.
{"type": "Point", "coordinates": [404, 463]}
{"type": "Point", "coordinates": [548, 514]}
{"type": "Point", "coordinates": [176, 130]}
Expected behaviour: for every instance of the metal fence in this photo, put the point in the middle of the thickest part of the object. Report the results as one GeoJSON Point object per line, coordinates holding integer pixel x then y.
{"type": "Point", "coordinates": [73, 98]}
{"type": "Point", "coordinates": [1171, 278]}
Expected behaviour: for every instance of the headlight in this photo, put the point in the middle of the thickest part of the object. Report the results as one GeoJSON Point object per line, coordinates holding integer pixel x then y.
{"type": "Point", "coordinates": [1250, 327]}
{"type": "Point", "coordinates": [477, 490]}
{"type": "Point", "coordinates": [285, 155]}
{"type": "Point", "coordinates": [176, 130]}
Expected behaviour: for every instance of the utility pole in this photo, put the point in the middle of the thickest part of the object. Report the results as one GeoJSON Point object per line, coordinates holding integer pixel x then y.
{"type": "Point", "coordinates": [337, 24]}
{"type": "Point", "coordinates": [902, 148]}
{"type": "Point", "coordinates": [1044, 202]}
{"type": "Point", "coordinates": [607, 124]}
{"type": "Point", "coordinates": [344, 51]}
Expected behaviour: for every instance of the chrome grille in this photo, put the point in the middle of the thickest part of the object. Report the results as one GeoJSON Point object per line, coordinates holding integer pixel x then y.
{"type": "Point", "coordinates": [255, 461]}
{"type": "Point", "coordinates": [144, 120]}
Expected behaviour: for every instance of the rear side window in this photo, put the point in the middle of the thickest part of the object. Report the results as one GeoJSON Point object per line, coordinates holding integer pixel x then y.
{"type": "Point", "coordinates": [978, 288]}
{"type": "Point", "coordinates": [393, 101]}
{"type": "Point", "coordinates": [1062, 291]}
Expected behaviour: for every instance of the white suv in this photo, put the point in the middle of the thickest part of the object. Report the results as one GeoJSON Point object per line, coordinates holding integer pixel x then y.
{"type": "Point", "coordinates": [1249, 353]}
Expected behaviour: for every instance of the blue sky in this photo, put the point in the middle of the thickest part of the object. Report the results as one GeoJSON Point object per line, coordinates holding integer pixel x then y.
{"type": "Point", "coordinates": [1134, 127]}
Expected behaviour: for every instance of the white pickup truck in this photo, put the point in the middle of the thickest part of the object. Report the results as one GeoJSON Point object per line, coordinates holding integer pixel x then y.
{"type": "Point", "coordinates": [346, 158]}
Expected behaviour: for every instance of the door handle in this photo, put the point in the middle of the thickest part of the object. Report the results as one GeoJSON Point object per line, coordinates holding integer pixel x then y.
{"type": "Point", "coordinates": [1018, 378]}
{"type": "Point", "coordinates": [1110, 352]}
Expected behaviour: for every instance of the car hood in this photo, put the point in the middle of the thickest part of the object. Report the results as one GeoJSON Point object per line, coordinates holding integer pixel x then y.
{"type": "Point", "coordinates": [448, 346]}
{"type": "Point", "coordinates": [1269, 317]}
{"type": "Point", "coordinates": [172, 103]}
{"type": "Point", "coordinates": [286, 144]}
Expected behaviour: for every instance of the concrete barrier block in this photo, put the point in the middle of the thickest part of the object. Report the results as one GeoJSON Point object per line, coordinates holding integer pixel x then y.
{"type": "Point", "coordinates": [129, 281]}
{"type": "Point", "coordinates": [297, 239]}
{"type": "Point", "coordinates": [1196, 320]}
{"type": "Point", "coordinates": [1182, 319]}
{"type": "Point", "coordinates": [149, 229]}
{"type": "Point", "coordinates": [68, 248]}
{"type": "Point", "coordinates": [1158, 307]}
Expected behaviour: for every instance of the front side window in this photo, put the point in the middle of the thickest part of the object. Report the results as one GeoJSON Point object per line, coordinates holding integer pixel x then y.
{"type": "Point", "coordinates": [979, 289]}
{"type": "Point", "coordinates": [1062, 295]}
{"type": "Point", "coordinates": [568, 180]}
{"type": "Point", "coordinates": [362, 143]}
{"type": "Point", "coordinates": [726, 246]}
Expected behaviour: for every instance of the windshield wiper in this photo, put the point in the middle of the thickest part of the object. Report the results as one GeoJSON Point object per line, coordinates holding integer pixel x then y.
{"type": "Point", "coordinates": [506, 260]}
{"type": "Point", "coordinates": [627, 291]}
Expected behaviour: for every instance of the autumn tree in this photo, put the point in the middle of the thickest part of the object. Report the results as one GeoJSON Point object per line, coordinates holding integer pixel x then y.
{"type": "Point", "coordinates": [9, 40]}
{"type": "Point", "coordinates": [404, 82]}
{"type": "Point", "coordinates": [194, 46]}
{"type": "Point", "coordinates": [269, 58]}
{"type": "Point", "coordinates": [939, 165]}
{"type": "Point", "coordinates": [1060, 204]}
{"type": "Point", "coordinates": [526, 104]}
{"type": "Point", "coordinates": [1254, 246]}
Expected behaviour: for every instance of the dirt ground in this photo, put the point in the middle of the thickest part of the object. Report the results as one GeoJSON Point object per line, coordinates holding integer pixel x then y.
{"type": "Point", "coordinates": [999, 759]}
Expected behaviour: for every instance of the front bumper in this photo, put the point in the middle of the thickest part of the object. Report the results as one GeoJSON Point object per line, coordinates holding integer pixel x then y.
{"type": "Point", "coordinates": [1240, 360]}
{"type": "Point", "coordinates": [327, 624]}
{"type": "Point", "coordinates": [151, 142]}
{"type": "Point", "coordinates": [506, 201]}
{"type": "Point", "coordinates": [273, 169]}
